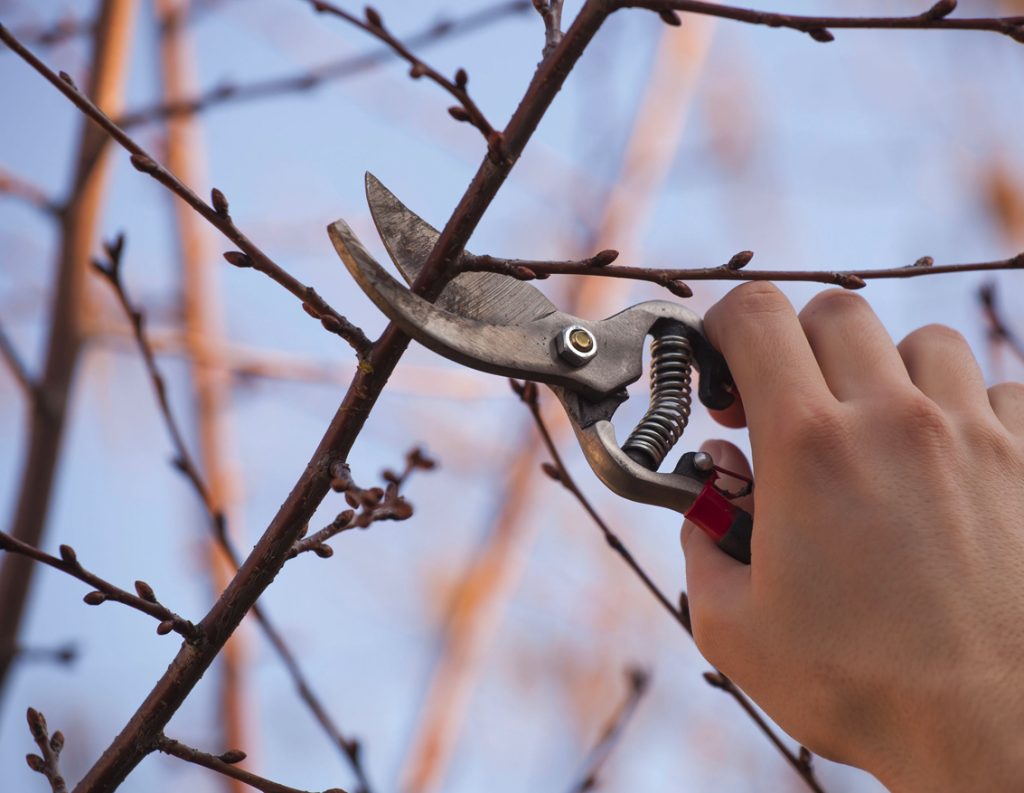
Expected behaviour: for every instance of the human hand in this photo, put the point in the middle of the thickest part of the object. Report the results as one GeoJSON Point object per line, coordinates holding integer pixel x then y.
{"type": "Point", "coordinates": [881, 621]}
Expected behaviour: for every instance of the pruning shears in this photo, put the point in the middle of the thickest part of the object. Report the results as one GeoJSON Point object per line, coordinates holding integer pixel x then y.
{"type": "Point", "coordinates": [499, 324]}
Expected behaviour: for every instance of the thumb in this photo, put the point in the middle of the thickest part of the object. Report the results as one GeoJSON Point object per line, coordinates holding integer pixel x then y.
{"type": "Point", "coordinates": [714, 580]}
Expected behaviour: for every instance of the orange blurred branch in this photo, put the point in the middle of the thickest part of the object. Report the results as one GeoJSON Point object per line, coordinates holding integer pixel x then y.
{"type": "Point", "coordinates": [77, 233]}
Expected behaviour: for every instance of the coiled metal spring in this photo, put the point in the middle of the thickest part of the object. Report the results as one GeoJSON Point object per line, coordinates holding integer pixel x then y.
{"type": "Point", "coordinates": [669, 411]}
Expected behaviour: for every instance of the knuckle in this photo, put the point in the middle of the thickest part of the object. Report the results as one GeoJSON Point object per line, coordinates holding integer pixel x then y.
{"type": "Point", "coordinates": [832, 302]}
{"type": "Point", "coordinates": [932, 336]}
{"type": "Point", "coordinates": [816, 425]}
{"type": "Point", "coordinates": [1007, 392]}
{"type": "Point", "coordinates": [989, 440]}
{"type": "Point", "coordinates": [924, 423]}
{"type": "Point", "coordinates": [757, 298]}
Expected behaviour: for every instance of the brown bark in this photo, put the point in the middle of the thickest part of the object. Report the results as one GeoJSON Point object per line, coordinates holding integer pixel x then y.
{"type": "Point", "coordinates": [204, 341]}
{"type": "Point", "coordinates": [490, 582]}
{"type": "Point", "coordinates": [78, 231]}
{"type": "Point", "coordinates": [137, 737]}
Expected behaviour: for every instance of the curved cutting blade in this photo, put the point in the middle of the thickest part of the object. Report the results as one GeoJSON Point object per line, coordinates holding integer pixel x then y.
{"type": "Point", "coordinates": [488, 297]}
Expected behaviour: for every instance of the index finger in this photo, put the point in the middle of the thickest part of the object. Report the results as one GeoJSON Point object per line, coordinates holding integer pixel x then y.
{"type": "Point", "coordinates": [757, 330]}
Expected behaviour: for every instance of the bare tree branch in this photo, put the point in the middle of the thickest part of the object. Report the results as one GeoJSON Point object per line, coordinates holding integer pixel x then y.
{"type": "Point", "coordinates": [491, 577]}
{"type": "Point", "coordinates": [557, 470]}
{"type": "Point", "coordinates": [374, 504]}
{"type": "Point", "coordinates": [62, 655]}
{"type": "Point", "coordinates": [271, 551]}
{"type": "Point", "coordinates": [467, 110]}
{"type": "Point", "coordinates": [201, 311]}
{"type": "Point", "coordinates": [551, 12]}
{"type": "Point", "coordinates": [65, 327]}
{"type": "Point", "coordinates": [16, 187]}
{"type": "Point", "coordinates": [225, 764]}
{"type": "Point", "coordinates": [17, 367]}
{"type": "Point", "coordinates": [186, 464]}
{"type": "Point", "coordinates": [310, 79]}
{"type": "Point", "coordinates": [638, 680]}
{"type": "Point", "coordinates": [48, 764]}
{"type": "Point", "coordinates": [819, 28]}
{"type": "Point", "coordinates": [144, 601]}
{"type": "Point", "coordinates": [63, 29]}
{"type": "Point", "coordinates": [215, 212]}
{"type": "Point", "coordinates": [675, 279]}
{"type": "Point", "coordinates": [998, 328]}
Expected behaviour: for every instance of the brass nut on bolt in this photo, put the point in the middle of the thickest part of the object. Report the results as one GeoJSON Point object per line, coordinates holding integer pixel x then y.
{"type": "Point", "coordinates": [576, 345]}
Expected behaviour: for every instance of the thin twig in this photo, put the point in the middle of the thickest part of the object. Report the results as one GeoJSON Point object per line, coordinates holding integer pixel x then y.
{"type": "Point", "coordinates": [17, 367]}
{"type": "Point", "coordinates": [639, 680]}
{"type": "Point", "coordinates": [144, 601]}
{"type": "Point", "coordinates": [557, 470]}
{"type": "Point", "coordinates": [310, 79]}
{"type": "Point", "coordinates": [675, 279]}
{"type": "Point", "coordinates": [63, 29]}
{"type": "Point", "coordinates": [374, 504]}
{"type": "Point", "coordinates": [185, 463]}
{"type": "Point", "coordinates": [998, 329]}
{"type": "Point", "coordinates": [819, 28]}
{"type": "Point", "coordinates": [551, 12]}
{"type": "Point", "coordinates": [33, 195]}
{"type": "Point", "coordinates": [225, 764]}
{"type": "Point", "coordinates": [215, 212]}
{"type": "Point", "coordinates": [62, 655]}
{"type": "Point", "coordinates": [48, 763]}
{"type": "Point", "coordinates": [467, 110]}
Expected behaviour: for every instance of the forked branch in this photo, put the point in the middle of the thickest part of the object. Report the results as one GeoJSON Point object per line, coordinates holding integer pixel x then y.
{"type": "Point", "coordinates": [466, 110]}
{"type": "Point", "coordinates": [185, 463]}
{"type": "Point", "coordinates": [310, 79]}
{"type": "Point", "coordinates": [47, 762]}
{"type": "Point", "coordinates": [216, 212]}
{"type": "Point", "coordinates": [557, 470]}
{"type": "Point", "coordinates": [367, 505]}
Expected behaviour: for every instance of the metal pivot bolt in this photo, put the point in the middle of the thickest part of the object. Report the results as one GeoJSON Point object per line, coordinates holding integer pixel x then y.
{"type": "Point", "coordinates": [576, 345]}
{"type": "Point", "coordinates": [702, 462]}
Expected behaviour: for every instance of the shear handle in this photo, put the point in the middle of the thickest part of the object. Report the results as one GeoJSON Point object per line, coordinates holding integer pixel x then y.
{"type": "Point", "coordinates": [729, 526]}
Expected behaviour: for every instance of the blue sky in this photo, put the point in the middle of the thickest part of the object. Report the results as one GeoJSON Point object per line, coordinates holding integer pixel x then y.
{"type": "Point", "coordinates": [870, 151]}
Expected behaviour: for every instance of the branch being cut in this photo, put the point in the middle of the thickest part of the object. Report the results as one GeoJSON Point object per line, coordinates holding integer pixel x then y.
{"type": "Point", "coordinates": [226, 764]}
{"type": "Point", "coordinates": [675, 279]}
{"type": "Point", "coordinates": [144, 600]}
{"type": "Point", "coordinates": [557, 470]}
{"type": "Point", "coordinates": [639, 680]}
{"type": "Point", "coordinates": [186, 464]}
{"type": "Point", "coordinates": [466, 110]}
{"type": "Point", "coordinates": [374, 504]}
{"type": "Point", "coordinates": [820, 28]}
{"type": "Point", "coordinates": [216, 212]}
{"type": "Point", "coordinates": [307, 80]}
{"type": "Point", "coordinates": [48, 762]}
